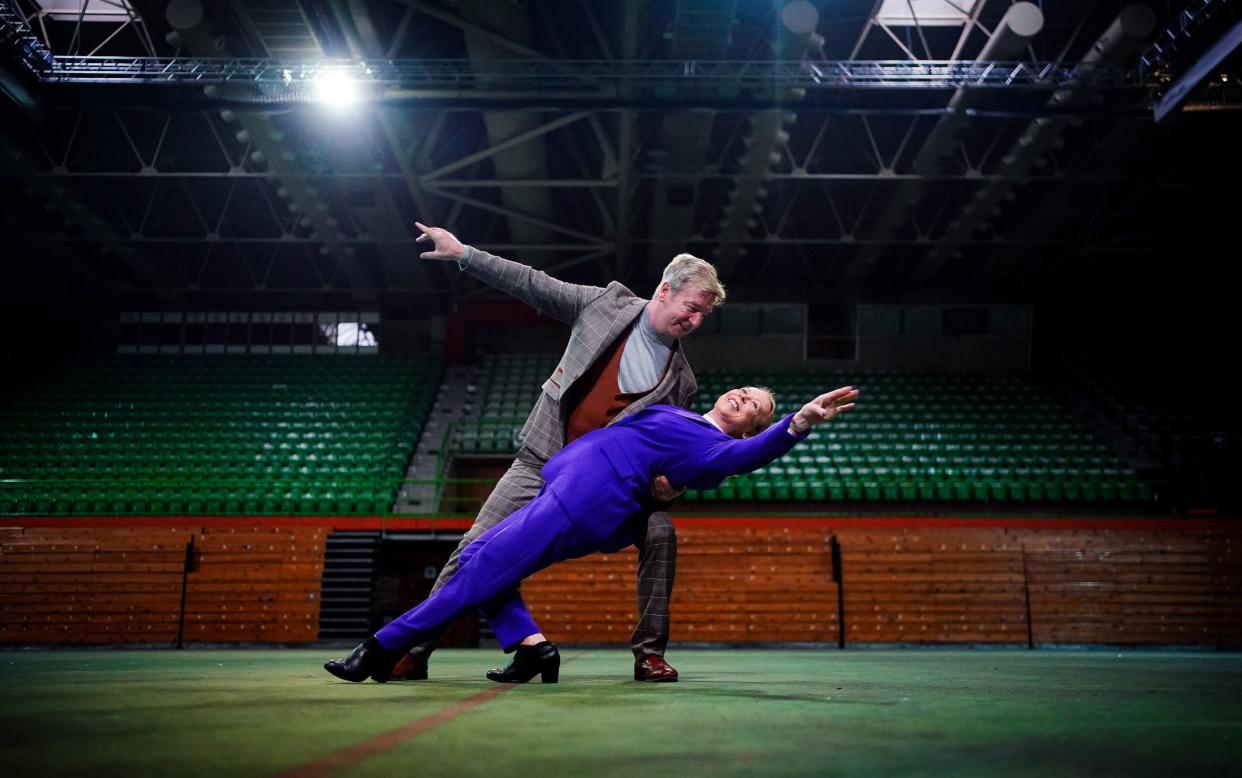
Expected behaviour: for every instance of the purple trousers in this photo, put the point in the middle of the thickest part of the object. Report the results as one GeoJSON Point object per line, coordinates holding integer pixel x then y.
{"type": "Point", "coordinates": [534, 537]}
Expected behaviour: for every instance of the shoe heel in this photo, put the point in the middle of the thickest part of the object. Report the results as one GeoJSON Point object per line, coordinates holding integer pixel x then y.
{"type": "Point", "coordinates": [528, 661]}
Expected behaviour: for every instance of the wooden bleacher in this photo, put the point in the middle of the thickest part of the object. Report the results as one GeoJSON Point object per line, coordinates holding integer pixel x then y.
{"type": "Point", "coordinates": [106, 585]}
{"type": "Point", "coordinates": [748, 580]}
{"type": "Point", "coordinates": [922, 585]}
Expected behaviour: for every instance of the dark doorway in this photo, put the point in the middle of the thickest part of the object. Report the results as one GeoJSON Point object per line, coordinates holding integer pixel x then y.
{"type": "Point", "coordinates": [407, 568]}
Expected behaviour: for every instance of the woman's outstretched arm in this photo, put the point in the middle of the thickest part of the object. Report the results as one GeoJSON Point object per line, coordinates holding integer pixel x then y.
{"type": "Point", "coordinates": [728, 456]}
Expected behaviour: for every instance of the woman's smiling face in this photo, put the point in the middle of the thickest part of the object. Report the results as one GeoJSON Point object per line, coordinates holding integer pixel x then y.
{"type": "Point", "coordinates": [743, 412]}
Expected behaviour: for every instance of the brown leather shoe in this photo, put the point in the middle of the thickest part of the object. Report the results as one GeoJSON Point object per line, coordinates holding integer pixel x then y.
{"type": "Point", "coordinates": [654, 669]}
{"type": "Point", "coordinates": [411, 667]}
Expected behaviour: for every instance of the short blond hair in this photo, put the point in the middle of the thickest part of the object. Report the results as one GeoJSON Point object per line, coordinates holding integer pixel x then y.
{"type": "Point", "coordinates": [689, 270]}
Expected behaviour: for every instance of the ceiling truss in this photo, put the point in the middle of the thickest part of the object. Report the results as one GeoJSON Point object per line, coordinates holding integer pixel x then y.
{"type": "Point", "coordinates": [219, 172]}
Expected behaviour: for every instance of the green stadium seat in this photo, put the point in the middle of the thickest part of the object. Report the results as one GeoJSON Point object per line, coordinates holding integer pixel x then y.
{"type": "Point", "coordinates": [147, 431]}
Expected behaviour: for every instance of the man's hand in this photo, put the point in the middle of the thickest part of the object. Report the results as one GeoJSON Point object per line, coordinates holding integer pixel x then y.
{"type": "Point", "coordinates": [823, 408]}
{"type": "Point", "coordinates": [446, 246]}
{"type": "Point", "coordinates": [663, 491]}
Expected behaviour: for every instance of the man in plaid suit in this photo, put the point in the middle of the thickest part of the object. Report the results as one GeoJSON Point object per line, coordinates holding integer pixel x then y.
{"type": "Point", "coordinates": [623, 355]}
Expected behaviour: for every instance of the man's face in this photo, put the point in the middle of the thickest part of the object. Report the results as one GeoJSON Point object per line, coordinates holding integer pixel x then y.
{"type": "Point", "coordinates": [680, 313]}
{"type": "Point", "coordinates": [741, 411]}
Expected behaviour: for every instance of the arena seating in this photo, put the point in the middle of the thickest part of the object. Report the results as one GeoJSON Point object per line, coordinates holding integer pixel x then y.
{"type": "Point", "coordinates": [929, 436]}
{"type": "Point", "coordinates": [508, 388]}
{"type": "Point", "coordinates": [1192, 434]}
{"type": "Point", "coordinates": [933, 436]}
{"type": "Point", "coordinates": [201, 435]}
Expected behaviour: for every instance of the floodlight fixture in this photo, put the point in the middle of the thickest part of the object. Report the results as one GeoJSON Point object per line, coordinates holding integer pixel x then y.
{"type": "Point", "coordinates": [336, 89]}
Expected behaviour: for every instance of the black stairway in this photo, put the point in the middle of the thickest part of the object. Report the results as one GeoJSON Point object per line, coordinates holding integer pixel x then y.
{"type": "Point", "coordinates": [348, 584]}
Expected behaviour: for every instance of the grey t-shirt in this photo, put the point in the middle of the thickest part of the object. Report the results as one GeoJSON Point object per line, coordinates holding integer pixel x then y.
{"type": "Point", "coordinates": [646, 353]}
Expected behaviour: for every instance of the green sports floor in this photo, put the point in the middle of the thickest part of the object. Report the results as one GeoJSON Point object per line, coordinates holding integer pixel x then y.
{"type": "Point", "coordinates": [736, 712]}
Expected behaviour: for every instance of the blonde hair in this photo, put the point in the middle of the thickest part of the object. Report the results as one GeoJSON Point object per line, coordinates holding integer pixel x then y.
{"type": "Point", "coordinates": [763, 425]}
{"type": "Point", "coordinates": [687, 269]}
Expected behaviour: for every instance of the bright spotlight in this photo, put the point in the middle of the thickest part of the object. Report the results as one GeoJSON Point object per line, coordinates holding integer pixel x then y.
{"type": "Point", "coordinates": [336, 90]}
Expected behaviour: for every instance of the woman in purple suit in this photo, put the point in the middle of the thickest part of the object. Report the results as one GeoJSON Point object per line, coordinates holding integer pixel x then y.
{"type": "Point", "coordinates": [594, 493]}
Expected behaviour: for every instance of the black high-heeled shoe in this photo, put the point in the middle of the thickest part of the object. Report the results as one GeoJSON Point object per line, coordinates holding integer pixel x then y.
{"type": "Point", "coordinates": [369, 659]}
{"type": "Point", "coordinates": [541, 659]}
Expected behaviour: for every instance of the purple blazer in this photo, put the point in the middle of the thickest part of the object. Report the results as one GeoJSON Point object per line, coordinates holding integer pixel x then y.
{"type": "Point", "coordinates": [602, 480]}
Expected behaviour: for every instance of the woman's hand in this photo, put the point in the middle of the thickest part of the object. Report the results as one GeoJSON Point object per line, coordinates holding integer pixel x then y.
{"type": "Point", "coordinates": [663, 491]}
{"type": "Point", "coordinates": [823, 408]}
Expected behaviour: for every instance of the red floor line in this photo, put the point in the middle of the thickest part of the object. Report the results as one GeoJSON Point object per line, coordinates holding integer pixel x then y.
{"type": "Point", "coordinates": [347, 757]}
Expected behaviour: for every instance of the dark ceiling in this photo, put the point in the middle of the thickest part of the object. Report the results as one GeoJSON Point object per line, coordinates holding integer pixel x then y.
{"type": "Point", "coordinates": [162, 196]}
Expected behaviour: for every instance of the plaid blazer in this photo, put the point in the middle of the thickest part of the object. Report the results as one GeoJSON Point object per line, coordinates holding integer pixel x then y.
{"type": "Point", "coordinates": [597, 316]}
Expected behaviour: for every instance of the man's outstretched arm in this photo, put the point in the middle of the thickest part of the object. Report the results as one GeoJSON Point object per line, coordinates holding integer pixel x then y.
{"type": "Point", "coordinates": [561, 300]}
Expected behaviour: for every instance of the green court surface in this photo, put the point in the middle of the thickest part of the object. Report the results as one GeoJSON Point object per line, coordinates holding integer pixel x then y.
{"type": "Point", "coordinates": [736, 712]}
